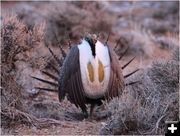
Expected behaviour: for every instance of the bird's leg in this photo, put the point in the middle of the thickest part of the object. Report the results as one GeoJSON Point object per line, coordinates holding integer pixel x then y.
{"type": "Point", "coordinates": [91, 110]}
{"type": "Point", "coordinates": [85, 113]}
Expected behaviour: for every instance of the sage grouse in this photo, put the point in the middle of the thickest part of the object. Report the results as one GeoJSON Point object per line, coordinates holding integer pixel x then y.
{"type": "Point", "coordinates": [89, 74]}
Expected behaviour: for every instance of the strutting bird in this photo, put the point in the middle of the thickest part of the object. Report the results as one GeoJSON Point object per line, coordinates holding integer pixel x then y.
{"type": "Point", "coordinates": [89, 74]}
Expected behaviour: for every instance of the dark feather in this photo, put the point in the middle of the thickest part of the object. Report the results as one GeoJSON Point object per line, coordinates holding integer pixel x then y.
{"type": "Point", "coordinates": [117, 43]}
{"type": "Point", "coordinates": [128, 63]}
{"type": "Point", "coordinates": [45, 81]}
{"type": "Point", "coordinates": [123, 53]}
{"type": "Point", "coordinates": [116, 84]}
{"type": "Point", "coordinates": [131, 83]}
{"type": "Point", "coordinates": [47, 89]}
{"type": "Point", "coordinates": [70, 80]}
{"type": "Point", "coordinates": [54, 68]}
{"type": "Point", "coordinates": [52, 53]}
{"type": "Point", "coordinates": [60, 47]}
{"type": "Point", "coordinates": [50, 75]}
{"type": "Point", "coordinates": [131, 73]}
{"type": "Point", "coordinates": [62, 51]}
{"type": "Point", "coordinates": [55, 57]}
{"type": "Point", "coordinates": [72, 93]}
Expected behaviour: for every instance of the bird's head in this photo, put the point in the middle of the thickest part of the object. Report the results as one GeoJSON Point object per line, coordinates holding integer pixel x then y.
{"type": "Point", "coordinates": [91, 39]}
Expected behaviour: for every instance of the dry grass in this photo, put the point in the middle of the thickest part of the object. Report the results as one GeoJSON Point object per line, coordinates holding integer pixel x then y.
{"type": "Point", "coordinates": [16, 40]}
{"type": "Point", "coordinates": [144, 107]}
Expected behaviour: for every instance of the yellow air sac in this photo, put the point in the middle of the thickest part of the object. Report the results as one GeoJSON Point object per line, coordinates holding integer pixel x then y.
{"type": "Point", "coordinates": [91, 72]}
{"type": "Point", "coordinates": [100, 71]}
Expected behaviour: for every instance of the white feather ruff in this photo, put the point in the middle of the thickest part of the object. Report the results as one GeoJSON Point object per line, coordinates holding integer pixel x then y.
{"type": "Point", "coordinates": [94, 89]}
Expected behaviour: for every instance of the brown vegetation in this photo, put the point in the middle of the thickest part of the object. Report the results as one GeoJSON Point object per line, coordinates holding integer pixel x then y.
{"type": "Point", "coordinates": [143, 107]}
{"type": "Point", "coordinates": [16, 40]}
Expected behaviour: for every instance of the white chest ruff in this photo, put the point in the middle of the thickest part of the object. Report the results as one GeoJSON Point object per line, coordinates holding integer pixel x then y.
{"type": "Point", "coordinates": [95, 88]}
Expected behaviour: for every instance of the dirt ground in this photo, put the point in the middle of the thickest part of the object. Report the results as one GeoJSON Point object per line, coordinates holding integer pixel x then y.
{"type": "Point", "coordinates": [150, 29]}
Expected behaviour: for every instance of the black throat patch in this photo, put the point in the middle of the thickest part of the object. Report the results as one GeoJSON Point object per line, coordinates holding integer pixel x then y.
{"type": "Point", "coordinates": [93, 47]}
{"type": "Point", "coordinates": [92, 39]}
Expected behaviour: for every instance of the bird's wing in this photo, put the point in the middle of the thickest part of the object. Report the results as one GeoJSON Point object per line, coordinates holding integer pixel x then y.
{"type": "Point", "coordinates": [116, 82]}
{"type": "Point", "coordinates": [70, 79]}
